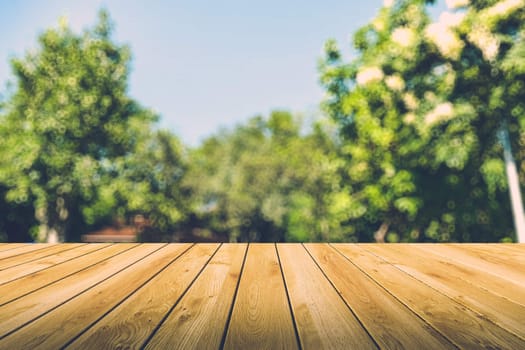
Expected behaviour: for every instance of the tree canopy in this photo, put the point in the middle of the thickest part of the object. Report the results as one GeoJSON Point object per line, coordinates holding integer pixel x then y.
{"type": "Point", "coordinates": [419, 109]}
{"type": "Point", "coordinates": [266, 180]}
{"type": "Point", "coordinates": [409, 146]}
{"type": "Point", "coordinates": [70, 133]}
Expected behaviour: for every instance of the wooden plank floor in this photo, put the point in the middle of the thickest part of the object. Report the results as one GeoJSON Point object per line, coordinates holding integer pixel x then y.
{"type": "Point", "coordinates": [262, 296]}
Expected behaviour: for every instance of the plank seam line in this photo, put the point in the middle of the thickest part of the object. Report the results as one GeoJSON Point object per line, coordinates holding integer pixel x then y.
{"type": "Point", "coordinates": [459, 261]}
{"type": "Point", "coordinates": [343, 299]}
{"type": "Point", "coordinates": [480, 252]}
{"type": "Point", "coordinates": [42, 257]}
{"type": "Point", "coordinates": [13, 248]}
{"type": "Point", "coordinates": [24, 253]}
{"type": "Point", "coordinates": [234, 298]}
{"type": "Point", "coordinates": [448, 261]}
{"type": "Point", "coordinates": [76, 295]}
{"type": "Point", "coordinates": [70, 341]}
{"type": "Point", "coordinates": [395, 297]}
{"type": "Point", "coordinates": [48, 267]}
{"type": "Point", "coordinates": [157, 327]}
{"type": "Point", "coordinates": [477, 313]}
{"type": "Point", "coordinates": [230, 311]}
{"type": "Point", "coordinates": [492, 256]}
{"type": "Point", "coordinates": [288, 299]}
{"type": "Point", "coordinates": [64, 277]}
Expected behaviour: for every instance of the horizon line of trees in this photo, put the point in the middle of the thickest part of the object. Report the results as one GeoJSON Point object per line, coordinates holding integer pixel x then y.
{"type": "Point", "coordinates": [409, 149]}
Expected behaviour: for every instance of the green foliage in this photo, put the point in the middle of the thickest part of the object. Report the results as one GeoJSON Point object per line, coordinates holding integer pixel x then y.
{"type": "Point", "coordinates": [264, 181]}
{"type": "Point", "coordinates": [413, 154]}
{"type": "Point", "coordinates": [145, 182]}
{"type": "Point", "coordinates": [71, 135]}
{"type": "Point", "coordinates": [419, 112]}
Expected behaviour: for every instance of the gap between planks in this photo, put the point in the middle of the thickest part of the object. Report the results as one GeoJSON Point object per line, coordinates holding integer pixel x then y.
{"type": "Point", "coordinates": [300, 273]}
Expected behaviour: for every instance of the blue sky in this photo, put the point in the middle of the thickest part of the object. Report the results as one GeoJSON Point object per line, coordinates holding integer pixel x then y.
{"type": "Point", "coordinates": [205, 64]}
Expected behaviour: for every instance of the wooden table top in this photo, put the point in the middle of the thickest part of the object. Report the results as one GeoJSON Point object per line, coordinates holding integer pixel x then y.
{"type": "Point", "coordinates": [239, 296]}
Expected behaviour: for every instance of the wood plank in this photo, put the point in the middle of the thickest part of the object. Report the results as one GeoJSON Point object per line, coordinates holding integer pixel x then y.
{"type": "Point", "coordinates": [25, 258]}
{"type": "Point", "coordinates": [24, 310]}
{"type": "Point", "coordinates": [9, 246]}
{"type": "Point", "coordinates": [503, 254]}
{"type": "Point", "coordinates": [130, 324]}
{"type": "Point", "coordinates": [109, 238]}
{"type": "Point", "coordinates": [378, 311]}
{"type": "Point", "coordinates": [16, 272]}
{"type": "Point", "coordinates": [448, 279]}
{"type": "Point", "coordinates": [199, 319]}
{"type": "Point", "coordinates": [492, 283]}
{"type": "Point", "coordinates": [323, 319]}
{"type": "Point", "coordinates": [25, 249]}
{"type": "Point", "coordinates": [383, 286]}
{"type": "Point", "coordinates": [464, 327]}
{"type": "Point", "coordinates": [27, 284]}
{"type": "Point", "coordinates": [516, 247]}
{"type": "Point", "coordinates": [261, 317]}
{"type": "Point", "coordinates": [58, 327]}
{"type": "Point", "coordinates": [478, 261]}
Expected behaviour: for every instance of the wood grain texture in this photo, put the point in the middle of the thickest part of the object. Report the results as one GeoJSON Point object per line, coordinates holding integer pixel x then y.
{"type": "Point", "coordinates": [58, 327]}
{"type": "Point", "coordinates": [261, 317]}
{"type": "Point", "coordinates": [130, 324]}
{"type": "Point", "coordinates": [22, 311]}
{"type": "Point", "coordinates": [464, 327]}
{"type": "Point", "coordinates": [199, 319]}
{"type": "Point", "coordinates": [9, 246]}
{"type": "Point", "coordinates": [501, 255]}
{"type": "Point", "coordinates": [413, 296]}
{"type": "Point", "coordinates": [38, 254]}
{"type": "Point", "coordinates": [448, 280]}
{"type": "Point", "coordinates": [503, 247]}
{"type": "Point", "coordinates": [23, 250]}
{"type": "Point", "coordinates": [487, 264]}
{"type": "Point", "coordinates": [494, 284]}
{"type": "Point", "coordinates": [515, 246]}
{"type": "Point", "coordinates": [18, 271]}
{"type": "Point", "coordinates": [323, 319]}
{"type": "Point", "coordinates": [390, 323]}
{"type": "Point", "coordinates": [30, 283]}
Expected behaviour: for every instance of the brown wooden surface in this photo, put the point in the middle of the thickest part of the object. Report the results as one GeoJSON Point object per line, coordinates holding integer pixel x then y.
{"type": "Point", "coordinates": [24, 249]}
{"type": "Point", "coordinates": [313, 299]}
{"type": "Point", "coordinates": [456, 284]}
{"type": "Point", "coordinates": [372, 303]}
{"type": "Point", "coordinates": [35, 255]}
{"type": "Point", "coordinates": [256, 296]}
{"type": "Point", "coordinates": [261, 316]}
{"type": "Point", "coordinates": [28, 268]}
{"type": "Point", "coordinates": [9, 246]}
{"type": "Point", "coordinates": [206, 305]}
{"type": "Point", "coordinates": [136, 318]}
{"type": "Point", "coordinates": [9, 291]}
{"type": "Point", "coordinates": [462, 326]}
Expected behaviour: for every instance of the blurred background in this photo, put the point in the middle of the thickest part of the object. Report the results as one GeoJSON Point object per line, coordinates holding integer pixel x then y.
{"type": "Point", "coordinates": [390, 121]}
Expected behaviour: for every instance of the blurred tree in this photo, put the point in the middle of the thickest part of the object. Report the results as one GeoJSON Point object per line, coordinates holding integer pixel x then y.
{"type": "Point", "coordinates": [67, 123]}
{"type": "Point", "coordinates": [419, 109]}
{"type": "Point", "coordinates": [145, 183]}
{"type": "Point", "coordinates": [265, 181]}
{"type": "Point", "coordinates": [16, 220]}
{"type": "Point", "coordinates": [495, 30]}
